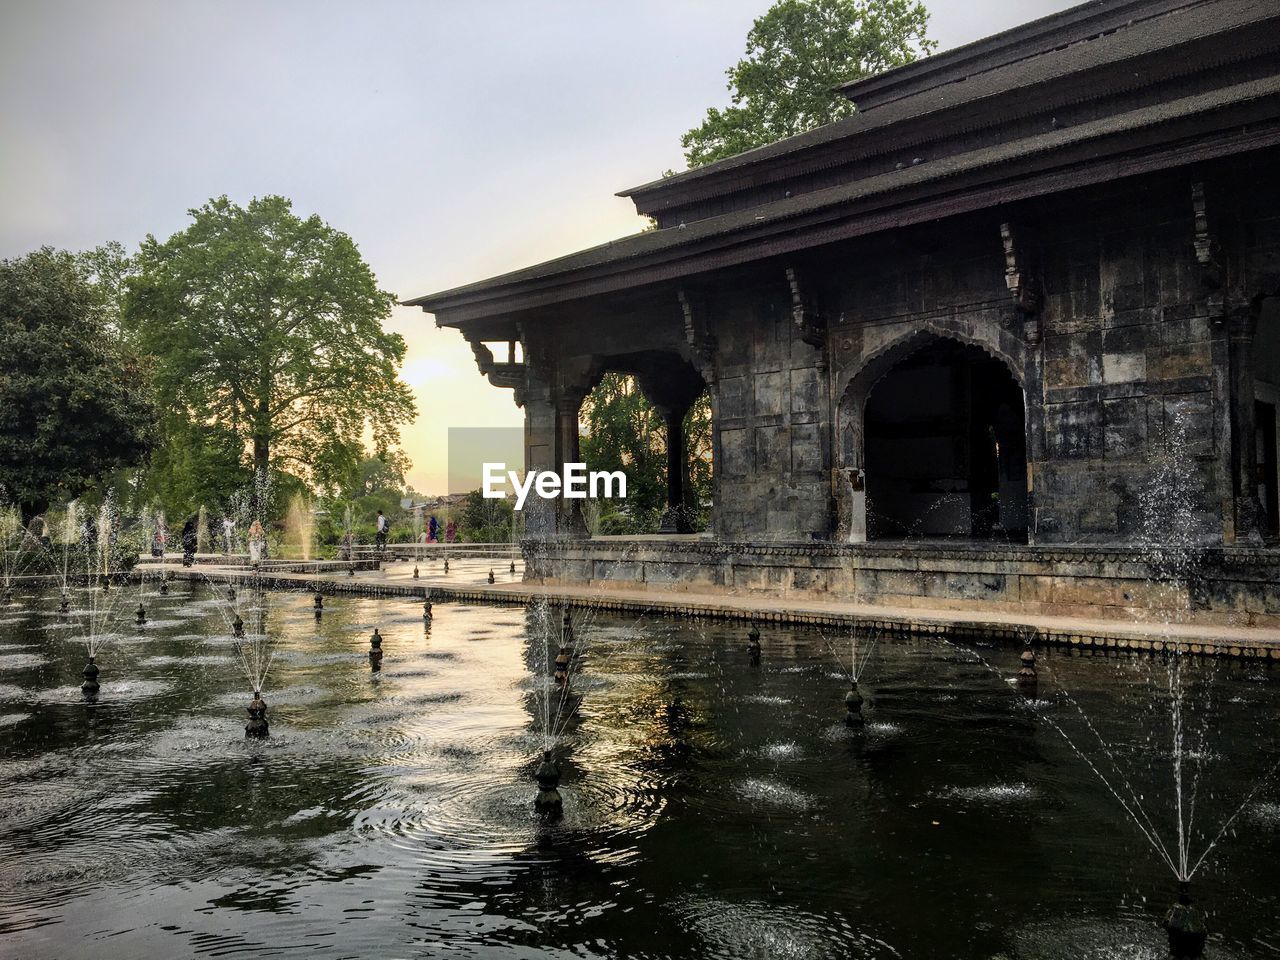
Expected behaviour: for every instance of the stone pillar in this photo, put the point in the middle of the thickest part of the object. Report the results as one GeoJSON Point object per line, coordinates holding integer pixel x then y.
{"type": "Point", "coordinates": [540, 450]}
{"type": "Point", "coordinates": [1242, 325]}
{"type": "Point", "coordinates": [675, 519]}
{"type": "Point", "coordinates": [1033, 414]}
{"type": "Point", "coordinates": [572, 524]}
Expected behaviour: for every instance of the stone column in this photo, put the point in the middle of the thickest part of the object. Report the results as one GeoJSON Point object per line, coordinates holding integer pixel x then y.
{"type": "Point", "coordinates": [675, 519]}
{"type": "Point", "coordinates": [540, 439]}
{"type": "Point", "coordinates": [1242, 325]}
{"type": "Point", "coordinates": [572, 524]}
{"type": "Point", "coordinates": [1033, 415]}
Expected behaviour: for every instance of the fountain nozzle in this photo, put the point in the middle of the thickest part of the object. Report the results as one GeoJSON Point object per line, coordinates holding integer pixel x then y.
{"type": "Point", "coordinates": [415, 571]}
{"type": "Point", "coordinates": [237, 627]}
{"type": "Point", "coordinates": [548, 801]}
{"type": "Point", "coordinates": [256, 728]}
{"type": "Point", "coordinates": [141, 615]}
{"type": "Point", "coordinates": [513, 566]}
{"type": "Point", "coordinates": [318, 604]}
{"type": "Point", "coordinates": [853, 701]}
{"type": "Point", "coordinates": [1027, 676]}
{"type": "Point", "coordinates": [563, 659]}
{"type": "Point", "coordinates": [90, 673]}
{"type": "Point", "coordinates": [65, 605]}
{"type": "Point", "coordinates": [753, 645]}
{"type": "Point", "coordinates": [491, 574]}
{"type": "Point", "coordinates": [1185, 925]}
{"type": "Point", "coordinates": [231, 593]}
{"type": "Point", "coordinates": [375, 650]}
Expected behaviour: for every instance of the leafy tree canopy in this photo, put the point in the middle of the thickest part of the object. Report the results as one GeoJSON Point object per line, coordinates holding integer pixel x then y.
{"type": "Point", "coordinates": [75, 402]}
{"type": "Point", "coordinates": [268, 326]}
{"type": "Point", "coordinates": [797, 52]}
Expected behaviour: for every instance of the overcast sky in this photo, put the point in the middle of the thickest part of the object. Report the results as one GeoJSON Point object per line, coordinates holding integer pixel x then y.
{"type": "Point", "coordinates": [451, 140]}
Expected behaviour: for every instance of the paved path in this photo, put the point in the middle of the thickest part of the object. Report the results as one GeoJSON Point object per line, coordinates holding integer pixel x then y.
{"type": "Point", "coordinates": [467, 579]}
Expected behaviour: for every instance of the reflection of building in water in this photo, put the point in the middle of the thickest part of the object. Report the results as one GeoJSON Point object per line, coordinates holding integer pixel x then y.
{"type": "Point", "coordinates": [986, 307]}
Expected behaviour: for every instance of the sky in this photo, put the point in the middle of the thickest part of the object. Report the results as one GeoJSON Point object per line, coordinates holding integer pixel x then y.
{"type": "Point", "coordinates": [452, 141]}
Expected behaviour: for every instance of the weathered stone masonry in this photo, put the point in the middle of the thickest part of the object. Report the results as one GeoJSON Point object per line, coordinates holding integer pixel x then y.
{"type": "Point", "coordinates": [1027, 294]}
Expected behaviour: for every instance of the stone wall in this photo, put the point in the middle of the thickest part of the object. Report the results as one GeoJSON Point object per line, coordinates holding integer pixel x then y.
{"type": "Point", "coordinates": [773, 422]}
{"type": "Point", "coordinates": [1230, 586]}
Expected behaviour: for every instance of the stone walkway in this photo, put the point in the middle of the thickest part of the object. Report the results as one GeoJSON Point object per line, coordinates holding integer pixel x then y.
{"type": "Point", "coordinates": [467, 580]}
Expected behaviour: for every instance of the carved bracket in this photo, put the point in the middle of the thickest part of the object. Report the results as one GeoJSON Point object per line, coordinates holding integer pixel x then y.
{"type": "Point", "coordinates": [698, 334]}
{"type": "Point", "coordinates": [510, 375]}
{"type": "Point", "coordinates": [1206, 246]}
{"type": "Point", "coordinates": [1021, 275]}
{"type": "Point", "coordinates": [807, 318]}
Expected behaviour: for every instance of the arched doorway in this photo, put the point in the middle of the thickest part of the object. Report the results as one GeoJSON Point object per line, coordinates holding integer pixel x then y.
{"type": "Point", "coordinates": [945, 447]}
{"type": "Point", "coordinates": [649, 415]}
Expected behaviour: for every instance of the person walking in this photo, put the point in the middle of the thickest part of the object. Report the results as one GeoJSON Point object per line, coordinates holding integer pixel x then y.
{"type": "Point", "coordinates": [382, 525]}
{"type": "Point", "coordinates": [229, 534]}
{"type": "Point", "coordinates": [257, 543]}
{"type": "Point", "coordinates": [189, 541]}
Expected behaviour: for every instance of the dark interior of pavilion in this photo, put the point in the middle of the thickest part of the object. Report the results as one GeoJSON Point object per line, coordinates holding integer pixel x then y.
{"type": "Point", "coordinates": [946, 448]}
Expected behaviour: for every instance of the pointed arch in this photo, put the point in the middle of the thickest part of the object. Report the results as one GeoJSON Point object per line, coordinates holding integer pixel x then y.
{"type": "Point", "coordinates": [897, 355]}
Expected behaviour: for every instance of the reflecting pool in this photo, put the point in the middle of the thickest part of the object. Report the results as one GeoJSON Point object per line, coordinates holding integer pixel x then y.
{"type": "Point", "coordinates": [712, 807]}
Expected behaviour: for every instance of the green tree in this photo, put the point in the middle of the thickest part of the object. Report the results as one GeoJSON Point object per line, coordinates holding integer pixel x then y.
{"type": "Point", "coordinates": [374, 475]}
{"type": "Point", "coordinates": [268, 326]}
{"type": "Point", "coordinates": [75, 402]}
{"type": "Point", "coordinates": [485, 520]}
{"type": "Point", "coordinates": [797, 52]}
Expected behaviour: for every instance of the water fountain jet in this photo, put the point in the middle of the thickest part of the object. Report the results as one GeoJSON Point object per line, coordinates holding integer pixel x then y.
{"type": "Point", "coordinates": [237, 627]}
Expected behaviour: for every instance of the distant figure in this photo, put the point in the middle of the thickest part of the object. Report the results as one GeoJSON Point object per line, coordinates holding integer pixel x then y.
{"type": "Point", "coordinates": [229, 534]}
{"type": "Point", "coordinates": [157, 543]}
{"type": "Point", "coordinates": [257, 543]}
{"type": "Point", "coordinates": [450, 531]}
{"type": "Point", "coordinates": [433, 530]}
{"type": "Point", "coordinates": [382, 525]}
{"type": "Point", "coordinates": [190, 538]}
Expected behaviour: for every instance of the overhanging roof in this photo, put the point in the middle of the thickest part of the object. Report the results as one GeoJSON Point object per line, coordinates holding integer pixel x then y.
{"type": "Point", "coordinates": [1214, 119]}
